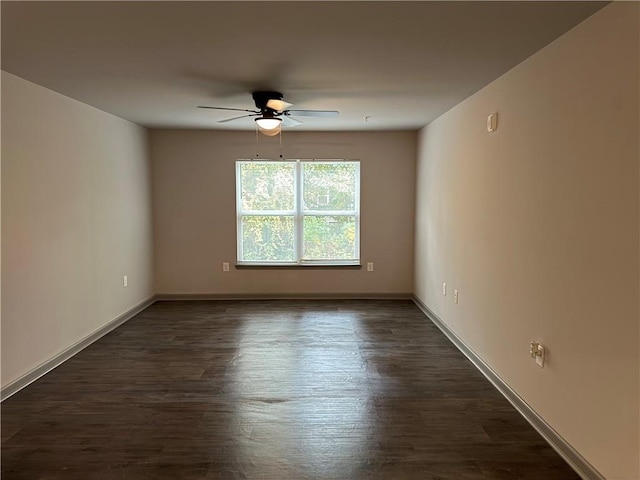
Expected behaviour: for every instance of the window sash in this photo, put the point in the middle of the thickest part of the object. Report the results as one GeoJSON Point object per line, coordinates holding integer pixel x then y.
{"type": "Point", "coordinates": [298, 215]}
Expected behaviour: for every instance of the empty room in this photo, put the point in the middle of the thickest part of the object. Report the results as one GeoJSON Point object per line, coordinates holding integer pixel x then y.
{"type": "Point", "coordinates": [322, 240]}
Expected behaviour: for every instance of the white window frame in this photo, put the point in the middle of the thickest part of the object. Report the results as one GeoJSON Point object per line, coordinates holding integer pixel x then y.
{"type": "Point", "coordinates": [298, 215]}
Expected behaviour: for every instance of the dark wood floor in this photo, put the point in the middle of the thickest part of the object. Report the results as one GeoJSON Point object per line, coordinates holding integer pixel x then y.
{"type": "Point", "coordinates": [271, 390]}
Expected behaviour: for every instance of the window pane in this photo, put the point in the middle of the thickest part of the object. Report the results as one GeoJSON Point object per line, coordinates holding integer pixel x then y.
{"type": "Point", "coordinates": [330, 186]}
{"type": "Point", "coordinates": [330, 238]}
{"type": "Point", "coordinates": [267, 186]}
{"type": "Point", "coordinates": [267, 239]}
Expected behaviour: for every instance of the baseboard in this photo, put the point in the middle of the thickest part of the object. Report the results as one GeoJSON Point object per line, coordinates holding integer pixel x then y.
{"type": "Point", "coordinates": [283, 296]}
{"type": "Point", "coordinates": [69, 352]}
{"type": "Point", "coordinates": [559, 444]}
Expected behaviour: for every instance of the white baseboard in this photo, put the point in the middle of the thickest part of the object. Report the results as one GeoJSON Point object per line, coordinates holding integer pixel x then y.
{"type": "Point", "coordinates": [283, 296]}
{"type": "Point", "coordinates": [69, 352]}
{"type": "Point", "coordinates": [559, 444]}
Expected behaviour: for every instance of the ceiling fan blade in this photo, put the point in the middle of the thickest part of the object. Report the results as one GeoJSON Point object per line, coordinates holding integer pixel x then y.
{"type": "Point", "coordinates": [278, 104]}
{"type": "Point", "coordinates": [236, 118]}
{"type": "Point", "coordinates": [232, 109]}
{"type": "Point", "coordinates": [313, 113]}
{"type": "Point", "coordinates": [290, 121]}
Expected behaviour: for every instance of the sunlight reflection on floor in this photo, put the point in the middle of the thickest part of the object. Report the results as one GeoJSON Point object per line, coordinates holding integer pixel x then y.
{"type": "Point", "coordinates": [281, 399]}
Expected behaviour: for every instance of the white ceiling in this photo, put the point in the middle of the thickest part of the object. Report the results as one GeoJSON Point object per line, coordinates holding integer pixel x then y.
{"type": "Point", "coordinates": [383, 65]}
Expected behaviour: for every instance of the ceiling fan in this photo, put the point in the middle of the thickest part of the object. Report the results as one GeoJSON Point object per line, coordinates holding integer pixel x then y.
{"type": "Point", "coordinates": [272, 111]}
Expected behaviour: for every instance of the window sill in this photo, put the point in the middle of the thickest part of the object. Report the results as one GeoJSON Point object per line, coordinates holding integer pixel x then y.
{"type": "Point", "coordinates": [272, 266]}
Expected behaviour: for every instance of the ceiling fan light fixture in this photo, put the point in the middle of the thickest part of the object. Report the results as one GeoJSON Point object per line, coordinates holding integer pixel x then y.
{"type": "Point", "coordinates": [270, 133]}
{"type": "Point", "coordinates": [269, 123]}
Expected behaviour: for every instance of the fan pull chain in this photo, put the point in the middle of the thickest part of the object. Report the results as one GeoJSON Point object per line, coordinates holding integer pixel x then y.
{"type": "Point", "coordinates": [257, 153]}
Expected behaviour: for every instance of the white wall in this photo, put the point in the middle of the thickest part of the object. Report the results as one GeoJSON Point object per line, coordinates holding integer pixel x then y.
{"type": "Point", "coordinates": [195, 221]}
{"type": "Point", "coordinates": [76, 217]}
{"type": "Point", "coordinates": [537, 226]}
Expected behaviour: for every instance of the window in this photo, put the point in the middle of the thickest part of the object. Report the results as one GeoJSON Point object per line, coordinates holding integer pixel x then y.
{"type": "Point", "coordinates": [298, 212]}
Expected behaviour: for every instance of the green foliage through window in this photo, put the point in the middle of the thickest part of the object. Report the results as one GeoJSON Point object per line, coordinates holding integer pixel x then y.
{"type": "Point", "coordinates": [297, 212]}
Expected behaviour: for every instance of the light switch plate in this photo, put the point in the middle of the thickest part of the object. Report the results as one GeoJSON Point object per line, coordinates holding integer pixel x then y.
{"type": "Point", "coordinates": [492, 122]}
{"type": "Point", "coordinates": [540, 356]}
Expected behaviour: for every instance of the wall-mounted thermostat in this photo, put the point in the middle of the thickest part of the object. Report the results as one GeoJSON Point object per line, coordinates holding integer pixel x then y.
{"type": "Point", "coordinates": [492, 122]}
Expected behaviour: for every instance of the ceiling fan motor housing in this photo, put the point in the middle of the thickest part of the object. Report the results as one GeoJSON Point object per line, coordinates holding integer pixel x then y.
{"type": "Point", "coordinates": [261, 99]}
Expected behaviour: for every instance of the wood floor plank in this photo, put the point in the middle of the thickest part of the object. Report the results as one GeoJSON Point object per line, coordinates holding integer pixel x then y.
{"type": "Point", "coordinates": [271, 390]}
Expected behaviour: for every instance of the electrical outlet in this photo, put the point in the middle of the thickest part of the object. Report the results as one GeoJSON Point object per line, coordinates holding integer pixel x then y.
{"type": "Point", "coordinates": [125, 281]}
{"type": "Point", "coordinates": [455, 296]}
{"type": "Point", "coordinates": [444, 289]}
{"type": "Point", "coordinates": [537, 352]}
{"type": "Point", "coordinates": [225, 266]}
{"type": "Point", "coordinates": [369, 266]}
